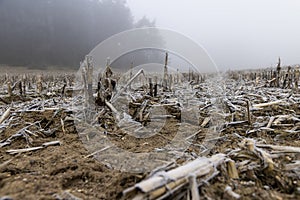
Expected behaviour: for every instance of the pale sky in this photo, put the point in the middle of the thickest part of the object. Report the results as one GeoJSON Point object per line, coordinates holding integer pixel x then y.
{"type": "Point", "coordinates": [236, 33]}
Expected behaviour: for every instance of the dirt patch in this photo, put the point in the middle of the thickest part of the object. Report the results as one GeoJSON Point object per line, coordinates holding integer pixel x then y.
{"type": "Point", "coordinates": [69, 170]}
{"type": "Point", "coordinates": [44, 173]}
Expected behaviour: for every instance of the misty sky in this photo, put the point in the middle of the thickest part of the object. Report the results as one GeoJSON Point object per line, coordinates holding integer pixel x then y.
{"type": "Point", "coordinates": [236, 33]}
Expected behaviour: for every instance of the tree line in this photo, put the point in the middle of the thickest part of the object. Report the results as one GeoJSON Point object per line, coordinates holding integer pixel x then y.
{"type": "Point", "coordinates": [42, 33]}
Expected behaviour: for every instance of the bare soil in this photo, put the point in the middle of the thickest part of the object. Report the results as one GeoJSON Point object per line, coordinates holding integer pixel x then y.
{"type": "Point", "coordinates": [58, 172]}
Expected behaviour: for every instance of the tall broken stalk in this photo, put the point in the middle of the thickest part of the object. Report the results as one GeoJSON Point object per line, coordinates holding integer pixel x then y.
{"type": "Point", "coordinates": [165, 78]}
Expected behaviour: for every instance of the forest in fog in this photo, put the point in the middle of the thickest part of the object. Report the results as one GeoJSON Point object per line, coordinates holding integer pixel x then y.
{"type": "Point", "coordinates": [47, 33]}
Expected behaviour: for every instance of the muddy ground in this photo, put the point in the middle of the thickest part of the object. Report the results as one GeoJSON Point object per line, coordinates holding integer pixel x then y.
{"type": "Point", "coordinates": [58, 172]}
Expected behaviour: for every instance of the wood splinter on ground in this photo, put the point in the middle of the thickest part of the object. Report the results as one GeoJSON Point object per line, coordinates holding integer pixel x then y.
{"type": "Point", "coordinates": [173, 180]}
{"type": "Point", "coordinates": [249, 144]}
{"type": "Point", "coordinates": [231, 193]}
{"type": "Point", "coordinates": [232, 171]}
{"type": "Point", "coordinates": [44, 145]}
{"type": "Point", "coordinates": [5, 115]}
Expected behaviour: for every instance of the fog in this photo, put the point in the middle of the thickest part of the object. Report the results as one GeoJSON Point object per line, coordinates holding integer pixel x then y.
{"type": "Point", "coordinates": [237, 34]}
{"type": "Point", "coordinates": [43, 33]}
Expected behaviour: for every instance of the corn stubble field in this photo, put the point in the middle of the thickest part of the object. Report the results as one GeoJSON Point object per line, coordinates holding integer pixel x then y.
{"type": "Point", "coordinates": [46, 155]}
